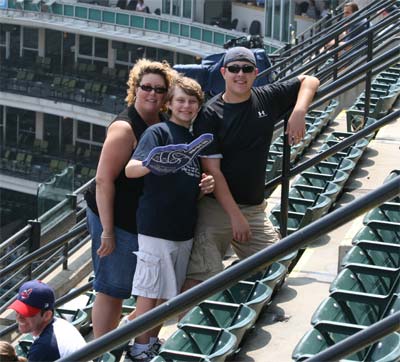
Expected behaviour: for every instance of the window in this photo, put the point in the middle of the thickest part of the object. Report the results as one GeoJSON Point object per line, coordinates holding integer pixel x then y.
{"type": "Point", "coordinates": [31, 38]}
{"type": "Point", "coordinates": [51, 134]}
{"type": "Point", "coordinates": [99, 133]}
{"type": "Point", "coordinates": [176, 7]}
{"type": "Point", "coordinates": [187, 9]}
{"type": "Point", "coordinates": [166, 6]}
{"type": "Point", "coordinates": [83, 130]}
{"type": "Point", "coordinates": [85, 45]}
{"type": "Point", "coordinates": [100, 48]}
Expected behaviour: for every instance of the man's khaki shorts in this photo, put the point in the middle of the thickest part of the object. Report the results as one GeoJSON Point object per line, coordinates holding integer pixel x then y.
{"type": "Point", "coordinates": [214, 235]}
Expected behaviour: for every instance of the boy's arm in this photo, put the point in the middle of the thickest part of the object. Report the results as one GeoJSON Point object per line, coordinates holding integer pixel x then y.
{"type": "Point", "coordinates": [135, 169]}
{"type": "Point", "coordinates": [296, 123]}
{"type": "Point", "coordinates": [240, 227]}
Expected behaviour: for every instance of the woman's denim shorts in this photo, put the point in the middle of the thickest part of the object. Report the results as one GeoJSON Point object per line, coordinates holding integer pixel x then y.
{"type": "Point", "coordinates": [113, 273]}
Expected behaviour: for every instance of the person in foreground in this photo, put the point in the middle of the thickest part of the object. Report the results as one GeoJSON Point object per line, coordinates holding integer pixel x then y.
{"type": "Point", "coordinates": [113, 198]}
{"type": "Point", "coordinates": [8, 354]}
{"type": "Point", "coordinates": [167, 211]}
{"type": "Point", "coordinates": [242, 120]}
{"type": "Point", "coordinates": [54, 338]}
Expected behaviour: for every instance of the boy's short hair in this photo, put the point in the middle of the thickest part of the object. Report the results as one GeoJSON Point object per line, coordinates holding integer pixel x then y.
{"type": "Point", "coordinates": [189, 86]}
{"type": "Point", "coordinates": [352, 5]}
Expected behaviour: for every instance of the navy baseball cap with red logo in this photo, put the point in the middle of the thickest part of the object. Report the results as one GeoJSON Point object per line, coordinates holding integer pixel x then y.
{"type": "Point", "coordinates": [33, 296]}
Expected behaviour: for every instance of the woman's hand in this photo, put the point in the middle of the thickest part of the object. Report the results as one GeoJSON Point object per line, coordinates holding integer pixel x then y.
{"type": "Point", "coordinates": [107, 245]}
{"type": "Point", "coordinates": [207, 184]}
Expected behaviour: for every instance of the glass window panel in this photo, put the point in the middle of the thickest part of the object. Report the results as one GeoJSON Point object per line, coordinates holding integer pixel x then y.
{"type": "Point", "coordinates": [187, 9]}
{"type": "Point", "coordinates": [68, 59]}
{"type": "Point", "coordinates": [99, 133]}
{"type": "Point", "coordinates": [2, 35]}
{"type": "Point", "coordinates": [84, 130]}
{"type": "Point", "coordinates": [31, 36]}
{"type": "Point", "coordinates": [166, 55]}
{"type": "Point", "coordinates": [29, 55]}
{"type": "Point", "coordinates": [53, 45]}
{"type": "Point", "coordinates": [151, 53]}
{"type": "Point", "coordinates": [85, 45]}
{"type": "Point", "coordinates": [66, 131]}
{"type": "Point", "coordinates": [176, 7]}
{"type": "Point", "coordinates": [11, 126]}
{"type": "Point", "coordinates": [51, 134]}
{"type": "Point", "coordinates": [166, 6]}
{"type": "Point", "coordinates": [101, 48]}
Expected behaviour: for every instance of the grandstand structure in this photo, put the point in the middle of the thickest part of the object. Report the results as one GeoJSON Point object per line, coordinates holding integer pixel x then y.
{"type": "Point", "coordinates": [330, 286]}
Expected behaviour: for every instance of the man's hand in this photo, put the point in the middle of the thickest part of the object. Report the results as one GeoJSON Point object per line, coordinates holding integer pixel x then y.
{"type": "Point", "coordinates": [207, 183]}
{"type": "Point", "coordinates": [107, 245]}
{"type": "Point", "coordinates": [296, 126]}
{"type": "Point", "coordinates": [240, 228]}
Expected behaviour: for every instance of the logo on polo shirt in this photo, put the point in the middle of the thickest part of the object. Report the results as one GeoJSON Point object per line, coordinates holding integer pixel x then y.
{"type": "Point", "coordinates": [262, 114]}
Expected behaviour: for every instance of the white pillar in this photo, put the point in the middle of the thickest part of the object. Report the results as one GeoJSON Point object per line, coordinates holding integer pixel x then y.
{"type": "Point", "coordinates": [112, 55]}
{"type": "Point", "coordinates": [39, 125]}
{"type": "Point", "coordinates": [41, 42]}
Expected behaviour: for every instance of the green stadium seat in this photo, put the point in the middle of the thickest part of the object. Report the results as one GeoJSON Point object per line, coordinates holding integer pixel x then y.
{"type": "Point", "coordinates": [273, 275]}
{"type": "Point", "coordinates": [389, 211]}
{"type": "Point", "coordinates": [351, 308]}
{"type": "Point", "coordinates": [235, 318]}
{"type": "Point", "coordinates": [367, 279]}
{"type": "Point", "coordinates": [382, 231]}
{"type": "Point", "coordinates": [77, 317]}
{"type": "Point", "coordinates": [211, 343]}
{"type": "Point", "coordinates": [373, 253]}
{"type": "Point", "coordinates": [255, 295]}
{"type": "Point", "coordinates": [324, 335]}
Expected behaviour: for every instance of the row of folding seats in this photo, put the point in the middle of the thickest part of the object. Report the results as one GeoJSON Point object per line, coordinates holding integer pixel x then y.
{"type": "Point", "coordinates": [365, 291]}
{"type": "Point", "coordinates": [315, 190]}
{"type": "Point", "coordinates": [385, 89]}
{"type": "Point", "coordinates": [316, 121]}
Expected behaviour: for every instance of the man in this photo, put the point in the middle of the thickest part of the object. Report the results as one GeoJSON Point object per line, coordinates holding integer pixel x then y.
{"type": "Point", "coordinates": [54, 338]}
{"type": "Point", "coordinates": [242, 121]}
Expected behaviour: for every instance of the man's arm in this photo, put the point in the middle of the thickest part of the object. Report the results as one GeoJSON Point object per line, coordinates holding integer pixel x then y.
{"type": "Point", "coordinates": [240, 227]}
{"type": "Point", "coordinates": [296, 123]}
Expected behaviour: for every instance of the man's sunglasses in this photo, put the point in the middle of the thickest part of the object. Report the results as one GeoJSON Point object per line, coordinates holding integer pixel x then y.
{"type": "Point", "coordinates": [237, 68]}
{"type": "Point", "coordinates": [149, 88]}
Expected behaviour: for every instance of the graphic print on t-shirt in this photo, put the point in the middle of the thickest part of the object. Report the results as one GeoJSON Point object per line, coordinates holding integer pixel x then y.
{"type": "Point", "coordinates": [163, 160]}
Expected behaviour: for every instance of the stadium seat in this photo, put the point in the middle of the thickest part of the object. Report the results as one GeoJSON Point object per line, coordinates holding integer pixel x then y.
{"type": "Point", "coordinates": [255, 295]}
{"type": "Point", "coordinates": [366, 279]}
{"type": "Point", "coordinates": [373, 253]}
{"type": "Point", "coordinates": [324, 335]}
{"type": "Point", "coordinates": [195, 341]}
{"type": "Point", "coordinates": [235, 318]}
{"type": "Point", "coordinates": [273, 276]}
{"type": "Point", "coordinates": [383, 231]}
{"type": "Point", "coordinates": [350, 308]}
{"type": "Point", "coordinates": [389, 211]}
{"type": "Point", "coordinates": [77, 317]}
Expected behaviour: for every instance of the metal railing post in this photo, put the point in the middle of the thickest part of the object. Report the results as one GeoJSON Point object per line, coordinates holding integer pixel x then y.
{"type": "Point", "coordinates": [285, 182]}
{"type": "Point", "coordinates": [368, 78]}
{"type": "Point", "coordinates": [34, 239]}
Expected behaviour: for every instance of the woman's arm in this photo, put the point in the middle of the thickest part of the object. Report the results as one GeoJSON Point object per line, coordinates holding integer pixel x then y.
{"type": "Point", "coordinates": [117, 149]}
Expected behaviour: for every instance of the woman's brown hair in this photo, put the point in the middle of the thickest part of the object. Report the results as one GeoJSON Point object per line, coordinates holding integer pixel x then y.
{"type": "Point", "coordinates": [145, 66]}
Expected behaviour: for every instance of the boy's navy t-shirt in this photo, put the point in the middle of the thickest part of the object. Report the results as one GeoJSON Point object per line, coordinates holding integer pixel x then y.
{"type": "Point", "coordinates": [167, 208]}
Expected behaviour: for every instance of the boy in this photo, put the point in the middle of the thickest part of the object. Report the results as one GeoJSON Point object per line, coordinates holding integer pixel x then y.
{"type": "Point", "coordinates": [167, 214]}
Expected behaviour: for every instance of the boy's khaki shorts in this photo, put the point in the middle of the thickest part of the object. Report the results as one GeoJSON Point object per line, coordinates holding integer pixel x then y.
{"type": "Point", "coordinates": [214, 235]}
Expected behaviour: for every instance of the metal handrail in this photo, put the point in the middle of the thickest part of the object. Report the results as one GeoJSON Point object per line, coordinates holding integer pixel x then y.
{"type": "Point", "coordinates": [324, 57]}
{"type": "Point", "coordinates": [42, 251]}
{"type": "Point", "coordinates": [331, 31]}
{"type": "Point", "coordinates": [359, 340]}
{"type": "Point", "coordinates": [237, 272]}
{"type": "Point", "coordinates": [353, 19]}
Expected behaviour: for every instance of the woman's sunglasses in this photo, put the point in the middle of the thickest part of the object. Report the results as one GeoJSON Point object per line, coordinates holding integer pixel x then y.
{"type": "Point", "coordinates": [237, 68]}
{"type": "Point", "coordinates": [149, 88]}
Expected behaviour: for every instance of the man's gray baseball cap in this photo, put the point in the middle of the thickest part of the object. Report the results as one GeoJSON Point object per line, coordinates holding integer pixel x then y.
{"type": "Point", "coordinates": [239, 54]}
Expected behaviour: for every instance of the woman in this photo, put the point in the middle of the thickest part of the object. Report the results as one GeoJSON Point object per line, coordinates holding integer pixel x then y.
{"type": "Point", "coordinates": [113, 201]}
{"type": "Point", "coordinates": [8, 354]}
